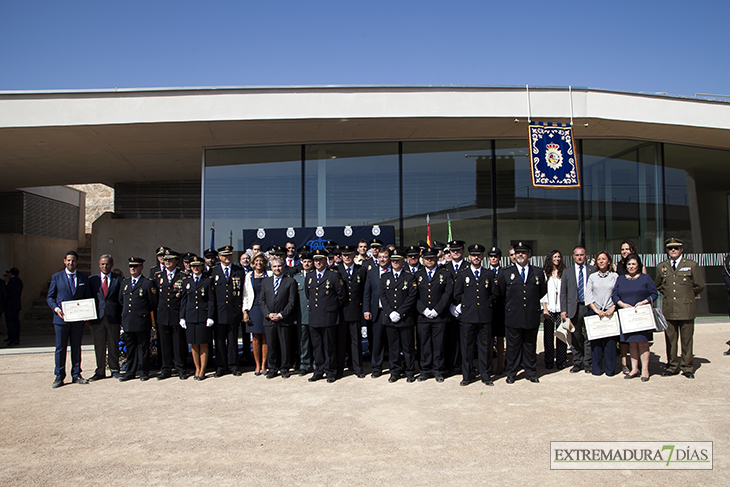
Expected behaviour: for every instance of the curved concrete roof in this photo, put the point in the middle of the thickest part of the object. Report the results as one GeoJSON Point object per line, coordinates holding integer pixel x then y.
{"type": "Point", "coordinates": [51, 138]}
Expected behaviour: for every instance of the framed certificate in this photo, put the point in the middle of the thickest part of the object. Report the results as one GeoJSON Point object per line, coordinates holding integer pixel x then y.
{"type": "Point", "coordinates": [640, 318]}
{"type": "Point", "coordinates": [79, 310]}
{"type": "Point", "coordinates": [597, 327]}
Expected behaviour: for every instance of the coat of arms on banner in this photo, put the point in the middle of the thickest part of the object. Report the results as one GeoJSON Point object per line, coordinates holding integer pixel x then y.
{"type": "Point", "coordinates": [553, 163]}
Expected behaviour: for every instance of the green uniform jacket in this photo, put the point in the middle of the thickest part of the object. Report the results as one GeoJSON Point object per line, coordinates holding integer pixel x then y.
{"type": "Point", "coordinates": [680, 288]}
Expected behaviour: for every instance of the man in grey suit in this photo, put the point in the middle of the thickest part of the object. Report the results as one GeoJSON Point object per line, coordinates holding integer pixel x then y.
{"type": "Point", "coordinates": [573, 307]}
{"type": "Point", "coordinates": [105, 287]}
{"type": "Point", "coordinates": [278, 300]}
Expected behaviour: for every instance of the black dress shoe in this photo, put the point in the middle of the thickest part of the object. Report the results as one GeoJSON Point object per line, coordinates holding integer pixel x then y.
{"type": "Point", "coordinates": [144, 378]}
{"type": "Point", "coordinates": [689, 375]}
{"type": "Point", "coordinates": [439, 378]}
{"type": "Point", "coordinates": [285, 374]}
{"type": "Point", "coordinates": [126, 377]}
{"type": "Point", "coordinates": [726, 352]}
{"type": "Point", "coordinates": [195, 377]}
{"type": "Point", "coordinates": [237, 373]}
{"type": "Point", "coordinates": [534, 379]}
{"type": "Point", "coordinates": [302, 372]}
{"type": "Point", "coordinates": [422, 378]}
{"type": "Point", "coordinates": [488, 382]}
{"type": "Point", "coordinates": [361, 375]}
{"type": "Point", "coordinates": [57, 383]}
{"type": "Point", "coordinates": [464, 383]}
{"type": "Point", "coordinates": [644, 379]}
{"type": "Point", "coordinates": [393, 378]}
{"type": "Point", "coordinates": [331, 379]}
{"type": "Point", "coordinates": [219, 373]}
{"type": "Point", "coordinates": [96, 377]}
{"type": "Point", "coordinates": [411, 378]}
{"type": "Point", "coordinates": [629, 376]}
{"type": "Point", "coordinates": [376, 374]}
{"type": "Point", "coordinates": [667, 373]}
{"type": "Point", "coordinates": [315, 378]}
{"type": "Point", "coordinates": [575, 369]}
{"type": "Point", "coordinates": [549, 366]}
{"type": "Point", "coordinates": [201, 377]}
{"type": "Point", "coordinates": [116, 374]}
{"type": "Point", "coordinates": [587, 371]}
{"type": "Point", "coordinates": [510, 379]}
{"type": "Point", "coordinates": [164, 375]}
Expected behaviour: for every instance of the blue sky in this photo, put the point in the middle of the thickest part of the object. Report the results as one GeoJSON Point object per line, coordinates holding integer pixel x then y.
{"type": "Point", "coordinates": [644, 45]}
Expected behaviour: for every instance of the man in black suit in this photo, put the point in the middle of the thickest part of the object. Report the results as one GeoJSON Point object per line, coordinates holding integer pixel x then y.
{"type": "Point", "coordinates": [452, 337]}
{"type": "Point", "coordinates": [13, 305]}
{"type": "Point", "coordinates": [522, 286]}
{"type": "Point", "coordinates": [326, 294]}
{"type": "Point", "coordinates": [278, 301]}
{"type": "Point", "coordinates": [106, 287]}
{"type": "Point", "coordinates": [349, 334]}
{"type": "Point", "coordinates": [372, 310]}
{"type": "Point", "coordinates": [398, 293]}
{"type": "Point", "coordinates": [171, 337]}
{"type": "Point", "coordinates": [139, 301]}
{"type": "Point", "coordinates": [435, 290]}
{"type": "Point", "coordinates": [227, 285]}
{"type": "Point", "coordinates": [573, 306]}
{"type": "Point", "coordinates": [474, 293]}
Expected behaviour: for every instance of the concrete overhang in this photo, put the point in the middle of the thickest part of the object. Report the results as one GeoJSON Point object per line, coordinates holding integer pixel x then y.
{"type": "Point", "coordinates": [54, 138]}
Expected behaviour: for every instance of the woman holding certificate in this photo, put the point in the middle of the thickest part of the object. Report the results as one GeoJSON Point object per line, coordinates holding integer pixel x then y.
{"type": "Point", "coordinates": [599, 290]}
{"type": "Point", "coordinates": [554, 267]}
{"type": "Point", "coordinates": [635, 289]}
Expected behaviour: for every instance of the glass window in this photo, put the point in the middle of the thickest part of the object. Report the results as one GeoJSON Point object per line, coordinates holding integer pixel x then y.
{"type": "Point", "coordinates": [448, 180]}
{"type": "Point", "coordinates": [251, 188]}
{"type": "Point", "coordinates": [352, 184]}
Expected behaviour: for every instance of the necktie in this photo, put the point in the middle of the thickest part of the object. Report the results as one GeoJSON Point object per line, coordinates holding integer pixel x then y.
{"type": "Point", "coordinates": [674, 265]}
{"type": "Point", "coordinates": [395, 275]}
{"type": "Point", "coordinates": [413, 270]}
{"type": "Point", "coordinates": [430, 275]}
{"type": "Point", "coordinates": [476, 275]}
{"type": "Point", "coordinates": [456, 267]}
{"type": "Point", "coordinates": [197, 280]}
{"type": "Point", "coordinates": [522, 274]}
{"type": "Point", "coordinates": [276, 285]}
{"type": "Point", "coordinates": [496, 271]}
{"type": "Point", "coordinates": [225, 272]}
{"type": "Point", "coordinates": [105, 285]}
{"type": "Point", "coordinates": [319, 276]}
{"type": "Point", "coordinates": [581, 297]}
{"type": "Point", "coordinates": [289, 262]}
{"type": "Point", "coordinates": [71, 283]}
{"type": "Point", "coordinates": [349, 272]}
{"type": "Point", "coordinates": [134, 282]}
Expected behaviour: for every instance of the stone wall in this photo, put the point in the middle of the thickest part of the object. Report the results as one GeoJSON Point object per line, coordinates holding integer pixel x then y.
{"type": "Point", "coordinates": [99, 199]}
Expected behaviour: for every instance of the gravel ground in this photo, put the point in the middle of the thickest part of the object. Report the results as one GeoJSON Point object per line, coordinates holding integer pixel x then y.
{"type": "Point", "coordinates": [250, 430]}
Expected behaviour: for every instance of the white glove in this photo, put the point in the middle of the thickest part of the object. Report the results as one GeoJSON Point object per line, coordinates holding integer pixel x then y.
{"type": "Point", "coordinates": [209, 322]}
{"type": "Point", "coordinates": [433, 314]}
{"type": "Point", "coordinates": [455, 311]}
{"type": "Point", "coordinates": [183, 323]}
{"type": "Point", "coordinates": [427, 312]}
{"type": "Point", "coordinates": [394, 317]}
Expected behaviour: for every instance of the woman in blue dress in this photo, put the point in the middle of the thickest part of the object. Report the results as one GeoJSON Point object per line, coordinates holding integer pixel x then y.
{"type": "Point", "coordinates": [635, 289]}
{"type": "Point", "coordinates": [252, 314]}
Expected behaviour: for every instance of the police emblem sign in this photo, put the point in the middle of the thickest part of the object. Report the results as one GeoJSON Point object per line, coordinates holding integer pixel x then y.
{"type": "Point", "coordinates": [553, 163]}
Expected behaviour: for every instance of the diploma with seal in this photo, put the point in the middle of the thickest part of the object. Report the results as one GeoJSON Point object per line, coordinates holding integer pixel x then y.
{"type": "Point", "coordinates": [598, 327]}
{"type": "Point", "coordinates": [640, 318]}
{"type": "Point", "coordinates": [79, 310]}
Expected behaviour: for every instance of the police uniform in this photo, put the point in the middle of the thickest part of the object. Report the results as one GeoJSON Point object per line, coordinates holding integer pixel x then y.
{"type": "Point", "coordinates": [302, 322]}
{"type": "Point", "coordinates": [349, 334]}
{"type": "Point", "coordinates": [197, 306]}
{"type": "Point", "coordinates": [158, 267]}
{"type": "Point", "coordinates": [681, 283]}
{"type": "Point", "coordinates": [326, 295]}
{"type": "Point", "coordinates": [229, 313]}
{"type": "Point", "coordinates": [138, 302]}
{"type": "Point", "coordinates": [474, 292]}
{"type": "Point", "coordinates": [435, 291]}
{"type": "Point", "coordinates": [173, 344]}
{"type": "Point", "coordinates": [452, 339]}
{"type": "Point", "coordinates": [522, 315]}
{"type": "Point", "coordinates": [398, 294]}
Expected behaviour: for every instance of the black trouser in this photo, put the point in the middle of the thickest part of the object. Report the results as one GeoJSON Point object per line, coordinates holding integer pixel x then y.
{"type": "Point", "coordinates": [173, 348]}
{"type": "Point", "coordinates": [324, 348]}
{"type": "Point", "coordinates": [278, 342]}
{"type": "Point", "coordinates": [226, 346]}
{"type": "Point", "coordinates": [349, 342]}
{"type": "Point", "coordinates": [400, 340]}
{"type": "Point", "coordinates": [581, 344]}
{"type": "Point", "coordinates": [481, 334]}
{"type": "Point", "coordinates": [106, 337]}
{"type": "Point", "coordinates": [377, 344]}
{"type": "Point", "coordinates": [452, 345]}
{"type": "Point", "coordinates": [138, 353]}
{"type": "Point", "coordinates": [521, 351]}
{"type": "Point", "coordinates": [431, 345]}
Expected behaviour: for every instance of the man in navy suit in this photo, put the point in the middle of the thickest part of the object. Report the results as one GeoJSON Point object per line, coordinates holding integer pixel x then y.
{"type": "Point", "coordinates": [278, 299]}
{"type": "Point", "coordinates": [68, 285]}
{"type": "Point", "coordinates": [372, 308]}
{"type": "Point", "coordinates": [105, 287]}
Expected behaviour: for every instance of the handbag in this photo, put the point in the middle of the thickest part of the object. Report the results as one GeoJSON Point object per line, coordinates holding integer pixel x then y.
{"type": "Point", "coordinates": [659, 320]}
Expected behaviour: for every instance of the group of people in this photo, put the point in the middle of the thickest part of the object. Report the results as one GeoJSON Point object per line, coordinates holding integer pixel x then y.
{"type": "Point", "coordinates": [430, 308]}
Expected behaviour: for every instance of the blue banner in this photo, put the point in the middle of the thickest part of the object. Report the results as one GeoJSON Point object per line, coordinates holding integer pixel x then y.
{"type": "Point", "coordinates": [316, 237]}
{"type": "Point", "coordinates": [553, 163]}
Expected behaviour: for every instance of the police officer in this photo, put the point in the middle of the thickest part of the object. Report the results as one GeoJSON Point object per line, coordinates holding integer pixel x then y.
{"type": "Point", "coordinates": [138, 300]}
{"type": "Point", "coordinates": [398, 293]}
{"type": "Point", "coordinates": [452, 341]}
{"type": "Point", "coordinates": [302, 314]}
{"type": "Point", "coordinates": [173, 344]}
{"type": "Point", "coordinates": [522, 285]}
{"type": "Point", "coordinates": [197, 309]}
{"type": "Point", "coordinates": [227, 281]}
{"type": "Point", "coordinates": [349, 334]}
{"type": "Point", "coordinates": [413, 254]}
{"type": "Point", "coordinates": [435, 289]}
{"type": "Point", "coordinates": [494, 255]}
{"type": "Point", "coordinates": [680, 281]}
{"type": "Point", "coordinates": [160, 253]}
{"type": "Point", "coordinates": [474, 292]}
{"type": "Point", "coordinates": [326, 294]}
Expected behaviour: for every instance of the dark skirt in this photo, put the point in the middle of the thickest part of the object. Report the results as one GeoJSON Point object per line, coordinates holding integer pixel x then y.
{"type": "Point", "coordinates": [199, 334]}
{"type": "Point", "coordinates": [256, 325]}
{"type": "Point", "coordinates": [637, 337]}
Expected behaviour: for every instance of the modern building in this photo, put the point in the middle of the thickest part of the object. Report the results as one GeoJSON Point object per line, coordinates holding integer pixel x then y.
{"type": "Point", "coordinates": [651, 165]}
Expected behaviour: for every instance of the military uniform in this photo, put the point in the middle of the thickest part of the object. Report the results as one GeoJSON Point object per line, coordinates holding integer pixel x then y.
{"type": "Point", "coordinates": [173, 344]}
{"type": "Point", "coordinates": [522, 317]}
{"type": "Point", "coordinates": [229, 313]}
{"type": "Point", "coordinates": [302, 324]}
{"type": "Point", "coordinates": [325, 296]}
{"type": "Point", "coordinates": [399, 294]}
{"type": "Point", "coordinates": [680, 284]}
{"type": "Point", "coordinates": [138, 302]}
{"type": "Point", "coordinates": [434, 294]}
